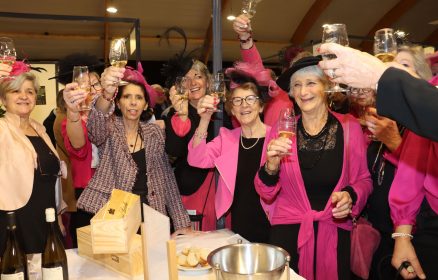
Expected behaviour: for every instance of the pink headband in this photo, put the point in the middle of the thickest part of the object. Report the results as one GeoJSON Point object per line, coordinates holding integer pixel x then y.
{"type": "Point", "coordinates": [257, 72]}
{"type": "Point", "coordinates": [137, 76]}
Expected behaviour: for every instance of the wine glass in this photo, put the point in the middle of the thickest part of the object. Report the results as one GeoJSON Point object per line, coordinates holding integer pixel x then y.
{"type": "Point", "coordinates": [118, 55]}
{"type": "Point", "coordinates": [334, 33]}
{"type": "Point", "coordinates": [182, 90]}
{"type": "Point", "coordinates": [8, 55]}
{"type": "Point", "coordinates": [249, 7]}
{"type": "Point", "coordinates": [217, 87]}
{"type": "Point", "coordinates": [385, 45]}
{"type": "Point", "coordinates": [287, 125]}
{"type": "Point", "coordinates": [82, 78]}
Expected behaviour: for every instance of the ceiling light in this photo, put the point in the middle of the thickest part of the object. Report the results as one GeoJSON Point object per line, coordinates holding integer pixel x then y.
{"type": "Point", "coordinates": [231, 17]}
{"type": "Point", "coordinates": [111, 9]}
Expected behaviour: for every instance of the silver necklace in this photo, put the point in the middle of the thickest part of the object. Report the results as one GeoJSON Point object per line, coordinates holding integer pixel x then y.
{"type": "Point", "coordinates": [248, 148]}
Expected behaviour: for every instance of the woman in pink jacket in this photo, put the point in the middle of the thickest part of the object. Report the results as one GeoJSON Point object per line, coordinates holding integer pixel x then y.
{"type": "Point", "coordinates": [311, 193]}
{"type": "Point", "coordinates": [236, 154]}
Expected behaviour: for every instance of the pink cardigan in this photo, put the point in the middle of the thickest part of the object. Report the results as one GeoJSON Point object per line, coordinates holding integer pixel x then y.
{"type": "Point", "coordinates": [222, 152]}
{"type": "Point", "coordinates": [287, 202]}
{"type": "Point", "coordinates": [416, 178]}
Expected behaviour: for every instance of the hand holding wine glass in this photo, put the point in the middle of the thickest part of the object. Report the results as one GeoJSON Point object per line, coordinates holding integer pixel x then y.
{"type": "Point", "coordinates": [334, 33]}
{"type": "Point", "coordinates": [82, 78]}
{"type": "Point", "coordinates": [249, 7]}
{"type": "Point", "coordinates": [287, 124]}
{"type": "Point", "coordinates": [118, 55]}
{"type": "Point", "coordinates": [182, 85]}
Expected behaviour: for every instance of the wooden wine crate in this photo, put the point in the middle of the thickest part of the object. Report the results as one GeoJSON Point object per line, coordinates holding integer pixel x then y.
{"type": "Point", "coordinates": [128, 264]}
{"type": "Point", "coordinates": [115, 223]}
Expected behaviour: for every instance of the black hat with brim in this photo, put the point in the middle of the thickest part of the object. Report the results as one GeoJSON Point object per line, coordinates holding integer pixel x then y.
{"type": "Point", "coordinates": [284, 80]}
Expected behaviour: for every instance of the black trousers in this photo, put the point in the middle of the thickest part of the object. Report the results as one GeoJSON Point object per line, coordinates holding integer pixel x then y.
{"type": "Point", "coordinates": [78, 219]}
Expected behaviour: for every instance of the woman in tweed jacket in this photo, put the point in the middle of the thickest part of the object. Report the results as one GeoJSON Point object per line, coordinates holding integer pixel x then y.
{"type": "Point", "coordinates": [131, 151]}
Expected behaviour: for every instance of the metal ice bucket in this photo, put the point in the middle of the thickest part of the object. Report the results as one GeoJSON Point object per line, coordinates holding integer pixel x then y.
{"type": "Point", "coordinates": [253, 261]}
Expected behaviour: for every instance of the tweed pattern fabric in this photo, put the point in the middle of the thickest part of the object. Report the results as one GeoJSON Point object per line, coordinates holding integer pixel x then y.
{"type": "Point", "coordinates": [117, 168]}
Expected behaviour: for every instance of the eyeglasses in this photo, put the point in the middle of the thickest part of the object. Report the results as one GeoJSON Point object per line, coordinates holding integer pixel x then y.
{"type": "Point", "coordinates": [250, 100]}
{"type": "Point", "coordinates": [97, 86]}
{"type": "Point", "coordinates": [359, 91]}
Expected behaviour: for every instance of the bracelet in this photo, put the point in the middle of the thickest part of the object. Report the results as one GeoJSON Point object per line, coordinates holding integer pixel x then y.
{"type": "Point", "coordinates": [401, 234]}
{"type": "Point", "coordinates": [109, 99]}
{"type": "Point", "coordinates": [269, 171]}
{"type": "Point", "coordinates": [201, 135]}
{"type": "Point", "coordinates": [244, 41]}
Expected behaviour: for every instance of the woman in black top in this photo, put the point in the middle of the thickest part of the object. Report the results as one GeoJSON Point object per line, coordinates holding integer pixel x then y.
{"type": "Point", "coordinates": [236, 154]}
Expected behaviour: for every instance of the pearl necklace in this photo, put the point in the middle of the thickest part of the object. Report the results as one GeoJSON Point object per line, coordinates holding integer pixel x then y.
{"type": "Point", "coordinates": [248, 148]}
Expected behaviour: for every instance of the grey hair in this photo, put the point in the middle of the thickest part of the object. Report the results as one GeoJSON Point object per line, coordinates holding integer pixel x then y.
{"type": "Point", "coordinates": [420, 63]}
{"type": "Point", "coordinates": [311, 70]}
{"type": "Point", "coordinates": [16, 83]}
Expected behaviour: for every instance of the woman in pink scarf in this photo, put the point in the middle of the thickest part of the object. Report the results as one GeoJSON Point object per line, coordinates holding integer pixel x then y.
{"type": "Point", "coordinates": [310, 194]}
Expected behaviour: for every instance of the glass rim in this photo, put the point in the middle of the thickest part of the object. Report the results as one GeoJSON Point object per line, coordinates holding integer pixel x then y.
{"type": "Point", "coordinates": [336, 24]}
{"type": "Point", "coordinates": [385, 29]}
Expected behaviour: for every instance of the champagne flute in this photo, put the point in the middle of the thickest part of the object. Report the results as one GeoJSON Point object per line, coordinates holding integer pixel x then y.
{"type": "Point", "coordinates": [249, 7]}
{"type": "Point", "coordinates": [334, 33]}
{"type": "Point", "coordinates": [287, 124]}
{"type": "Point", "coordinates": [385, 45]}
{"type": "Point", "coordinates": [8, 55]}
{"type": "Point", "coordinates": [217, 87]}
{"type": "Point", "coordinates": [182, 90]}
{"type": "Point", "coordinates": [82, 78]}
{"type": "Point", "coordinates": [118, 56]}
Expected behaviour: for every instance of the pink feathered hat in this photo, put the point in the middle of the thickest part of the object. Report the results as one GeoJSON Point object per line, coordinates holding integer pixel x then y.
{"type": "Point", "coordinates": [257, 72]}
{"type": "Point", "coordinates": [137, 75]}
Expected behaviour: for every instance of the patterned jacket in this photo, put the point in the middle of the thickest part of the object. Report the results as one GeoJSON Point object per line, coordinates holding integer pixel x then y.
{"type": "Point", "coordinates": [118, 170]}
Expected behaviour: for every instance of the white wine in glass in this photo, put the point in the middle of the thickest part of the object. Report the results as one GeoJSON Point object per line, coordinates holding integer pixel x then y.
{"type": "Point", "coordinates": [82, 78]}
{"type": "Point", "coordinates": [118, 56]}
{"type": "Point", "coordinates": [8, 55]}
{"type": "Point", "coordinates": [385, 45]}
{"type": "Point", "coordinates": [249, 7]}
{"type": "Point", "coordinates": [217, 87]}
{"type": "Point", "coordinates": [287, 124]}
{"type": "Point", "coordinates": [334, 33]}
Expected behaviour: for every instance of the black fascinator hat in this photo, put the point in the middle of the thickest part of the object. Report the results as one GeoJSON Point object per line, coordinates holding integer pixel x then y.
{"type": "Point", "coordinates": [284, 80]}
{"type": "Point", "coordinates": [66, 64]}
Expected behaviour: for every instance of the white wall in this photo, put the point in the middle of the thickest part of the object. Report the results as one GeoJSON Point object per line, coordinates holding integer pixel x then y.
{"type": "Point", "coordinates": [42, 111]}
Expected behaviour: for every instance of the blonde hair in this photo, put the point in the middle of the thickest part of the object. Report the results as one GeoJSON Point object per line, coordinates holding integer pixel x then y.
{"type": "Point", "coordinates": [202, 68]}
{"type": "Point", "coordinates": [420, 63]}
{"type": "Point", "coordinates": [14, 84]}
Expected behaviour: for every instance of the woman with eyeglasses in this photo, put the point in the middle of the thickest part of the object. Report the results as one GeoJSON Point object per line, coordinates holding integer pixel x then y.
{"type": "Point", "coordinates": [82, 153]}
{"type": "Point", "coordinates": [312, 183]}
{"type": "Point", "coordinates": [29, 164]}
{"type": "Point", "coordinates": [236, 154]}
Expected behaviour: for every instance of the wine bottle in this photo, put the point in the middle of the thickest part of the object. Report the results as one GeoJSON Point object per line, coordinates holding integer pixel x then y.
{"type": "Point", "coordinates": [14, 260]}
{"type": "Point", "coordinates": [53, 259]}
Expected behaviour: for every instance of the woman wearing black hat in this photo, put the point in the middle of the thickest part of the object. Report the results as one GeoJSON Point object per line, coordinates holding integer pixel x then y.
{"type": "Point", "coordinates": [311, 193]}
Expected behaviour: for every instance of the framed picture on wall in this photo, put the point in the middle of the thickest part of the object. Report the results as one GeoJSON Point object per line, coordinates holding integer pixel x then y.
{"type": "Point", "coordinates": [41, 96]}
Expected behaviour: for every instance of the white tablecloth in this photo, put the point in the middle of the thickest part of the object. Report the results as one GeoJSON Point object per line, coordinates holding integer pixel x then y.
{"type": "Point", "coordinates": [80, 268]}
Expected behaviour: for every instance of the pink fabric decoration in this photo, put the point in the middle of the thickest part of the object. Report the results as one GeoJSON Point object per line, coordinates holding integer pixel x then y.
{"type": "Point", "coordinates": [137, 75]}
{"type": "Point", "coordinates": [180, 127]}
{"type": "Point", "coordinates": [18, 68]}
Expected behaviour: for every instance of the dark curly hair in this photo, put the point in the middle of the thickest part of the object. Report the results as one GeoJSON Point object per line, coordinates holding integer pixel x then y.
{"type": "Point", "coordinates": [147, 114]}
{"type": "Point", "coordinates": [240, 79]}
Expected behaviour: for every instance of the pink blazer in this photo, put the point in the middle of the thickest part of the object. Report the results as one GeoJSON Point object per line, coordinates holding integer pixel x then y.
{"type": "Point", "coordinates": [222, 152]}
{"type": "Point", "coordinates": [287, 202]}
{"type": "Point", "coordinates": [416, 178]}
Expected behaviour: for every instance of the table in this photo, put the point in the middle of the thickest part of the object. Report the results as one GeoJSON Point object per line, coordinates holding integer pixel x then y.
{"type": "Point", "coordinates": [81, 268]}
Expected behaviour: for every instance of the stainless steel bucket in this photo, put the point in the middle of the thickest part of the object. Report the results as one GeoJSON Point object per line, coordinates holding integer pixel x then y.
{"type": "Point", "coordinates": [253, 261]}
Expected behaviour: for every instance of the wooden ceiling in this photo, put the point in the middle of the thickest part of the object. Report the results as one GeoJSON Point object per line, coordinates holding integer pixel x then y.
{"type": "Point", "coordinates": [277, 24]}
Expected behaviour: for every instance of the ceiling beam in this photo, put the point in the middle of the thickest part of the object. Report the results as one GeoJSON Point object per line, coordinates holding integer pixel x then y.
{"type": "Point", "coordinates": [387, 20]}
{"type": "Point", "coordinates": [148, 39]}
{"type": "Point", "coordinates": [308, 20]}
{"type": "Point", "coordinates": [208, 44]}
{"type": "Point", "coordinates": [432, 38]}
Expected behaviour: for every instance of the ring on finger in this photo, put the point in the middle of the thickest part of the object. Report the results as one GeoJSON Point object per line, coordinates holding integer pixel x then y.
{"type": "Point", "coordinates": [410, 269]}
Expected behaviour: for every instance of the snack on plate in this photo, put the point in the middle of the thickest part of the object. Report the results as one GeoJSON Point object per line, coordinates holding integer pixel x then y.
{"type": "Point", "coordinates": [192, 257]}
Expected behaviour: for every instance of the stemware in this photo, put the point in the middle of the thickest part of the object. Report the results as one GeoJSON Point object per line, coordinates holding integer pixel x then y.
{"type": "Point", "coordinates": [8, 55]}
{"type": "Point", "coordinates": [287, 124]}
{"type": "Point", "coordinates": [249, 7]}
{"type": "Point", "coordinates": [182, 90]}
{"type": "Point", "coordinates": [82, 78]}
{"type": "Point", "coordinates": [334, 33]}
{"type": "Point", "coordinates": [118, 55]}
{"type": "Point", "coordinates": [385, 45]}
{"type": "Point", "coordinates": [217, 87]}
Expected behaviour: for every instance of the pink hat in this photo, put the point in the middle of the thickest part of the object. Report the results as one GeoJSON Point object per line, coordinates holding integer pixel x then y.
{"type": "Point", "coordinates": [434, 81]}
{"type": "Point", "coordinates": [257, 72]}
{"type": "Point", "coordinates": [137, 75]}
{"type": "Point", "coordinates": [433, 58]}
